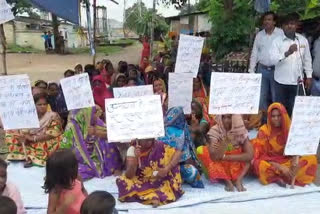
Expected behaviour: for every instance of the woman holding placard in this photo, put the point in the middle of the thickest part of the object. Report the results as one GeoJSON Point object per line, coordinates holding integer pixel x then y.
{"type": "Point", "coordinates": [178, 136]}
{"type": "Point", "coordinates": [159, 88]}
{"type": "Point", "coordinates": [35, 145]}
{"type": "Point", "coordinates": [86, 134]}
{"type": "Point", "coordinates": [229, 152]}
{"type": "Point", "coordinates": [144, 180]}
{"type": "Point", "coordinates": [270, 163]}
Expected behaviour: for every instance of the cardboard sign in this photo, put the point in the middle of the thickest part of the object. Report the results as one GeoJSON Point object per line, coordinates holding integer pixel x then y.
{"type": "Point", "coordinates": [77, 92]}
{"type": "Point", "coordinates": [189, 54]}
{"type": "Point", "coordinates": [304, 134]}
{"type": "Point", "coordinates": [180, 91]}
{"type": "Point", "coordinates": [233, 93]}
{"type": "Point", "coordinates": [134, 91]}
{"type": "Point", "coordinates": [17, 108]}
{"type": "Point", "coordinates": [134, 118]}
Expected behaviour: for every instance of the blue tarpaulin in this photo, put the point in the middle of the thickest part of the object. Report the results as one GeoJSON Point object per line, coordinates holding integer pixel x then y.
{"type": "Point", "coordinates": [65, 9]}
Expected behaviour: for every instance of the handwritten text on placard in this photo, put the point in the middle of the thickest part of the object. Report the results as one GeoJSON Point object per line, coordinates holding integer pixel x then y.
{"type": "Point", "coordinates": [180, 90]}
{"type": "Point", "coordinates": [135, 91]}
{"type": "Point", "coordinates": [134, 118]}
{"type": "Point", "coordinates": [304, 134]}
{"type": "Point", "coordinates": [17, 108]}
{"type": "Point", "coordinates": [189, 54]}
{"type": "Point", "coordinates": [77, 92]}
{"type": "Point", "coordinates": [233, 93]}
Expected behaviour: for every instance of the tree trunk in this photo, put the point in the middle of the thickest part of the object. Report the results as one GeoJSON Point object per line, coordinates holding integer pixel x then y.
{"type": "Point", "coordinates": [228, 5]}
{"type": "Point", "coordinates": [57, 43]}
{"type": "Point", "coordinates": [4, 48]}
{"type": "Point", "coordinates": [94, 29]}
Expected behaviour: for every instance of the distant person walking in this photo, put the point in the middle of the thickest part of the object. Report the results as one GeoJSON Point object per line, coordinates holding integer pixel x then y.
{"type": "Point", "coordinates": [45, 37]}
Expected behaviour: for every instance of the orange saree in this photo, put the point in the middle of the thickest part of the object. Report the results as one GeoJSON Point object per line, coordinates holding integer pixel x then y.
{"type": "Point", "coordinates": [224, 170]}
{"type": "Point", "coordinates": [269, 147]}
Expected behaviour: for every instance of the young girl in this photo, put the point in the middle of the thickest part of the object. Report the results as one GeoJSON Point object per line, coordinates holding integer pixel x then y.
{"type": "Point", "coordinates": [66, 192]}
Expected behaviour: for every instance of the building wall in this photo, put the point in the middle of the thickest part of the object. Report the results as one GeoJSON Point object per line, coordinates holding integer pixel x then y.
{"type": "Point", "coordinates": [8, 29]}
{"type": "Point", "coordinates": [30, 38]}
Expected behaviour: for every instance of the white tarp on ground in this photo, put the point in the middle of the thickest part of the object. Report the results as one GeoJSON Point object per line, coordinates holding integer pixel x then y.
{"type": "Point", "coordinates": [36, 201]}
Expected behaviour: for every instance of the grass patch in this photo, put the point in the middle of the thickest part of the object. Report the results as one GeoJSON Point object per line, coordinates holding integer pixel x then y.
{"type": "Point", "coordinates": [100, 49]}
{"type": "Point", "coordinates": [12, 48]}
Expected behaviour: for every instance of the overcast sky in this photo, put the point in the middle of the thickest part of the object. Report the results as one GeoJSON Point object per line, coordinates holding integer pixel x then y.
{"type": "Point", "coordinates": [116, 11]}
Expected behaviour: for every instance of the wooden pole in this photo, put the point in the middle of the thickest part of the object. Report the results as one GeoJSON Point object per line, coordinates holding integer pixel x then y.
{"type": "Point", "coordinates": [94, 28]}
{"type": "Point", "coordinates": [4, 49]}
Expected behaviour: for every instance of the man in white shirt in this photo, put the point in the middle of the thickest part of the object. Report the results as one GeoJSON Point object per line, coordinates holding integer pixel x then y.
{"type": "Point", "coordinates": [291, 55]}
{"type": "Point", "coordinates": [260, 61]}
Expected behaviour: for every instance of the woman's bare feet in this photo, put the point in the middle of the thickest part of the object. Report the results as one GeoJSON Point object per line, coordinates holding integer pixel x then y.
{"type": "Point", "coordinates": [229, 186]}
{"type": "Point", "coordinates": [239, 185]}
{"type": "Point", "coordinates": [155, 203]}
{"type": "Point", "coordinates": [281, 183]}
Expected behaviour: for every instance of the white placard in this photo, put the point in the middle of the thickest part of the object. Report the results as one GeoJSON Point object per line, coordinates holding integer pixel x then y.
{"type": "Point", "coordinates": [304, 134]}
{"type": "Point", "coordinates": [180, 91]}
{"type": "Point", "coordinates": [5, 12]}
{"type": "Point", "coordinates": [234, 93]}
{"type": "Point", "coordinates": [134, 118]}
{"type": "Point", "coordinates": [189, 54]}
{"type": "Point", "coordinates": [77, 91]}
{"type": "Point", "coordinates": [17, 108]}
{"type": "Point", "coordinates": [134, 91]}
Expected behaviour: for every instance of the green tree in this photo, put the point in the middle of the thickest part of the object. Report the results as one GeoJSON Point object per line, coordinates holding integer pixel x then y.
{"type": "Point", "coordinates": [307, 9]}
{"type": "Point", "coordinates": [232, 23]}
{"type": "Point", "coordinates": [20, 6]}
{"type": "Point", "coordinates": [176, 3]}
{"type": "Point", "coordinates": [139, 19]}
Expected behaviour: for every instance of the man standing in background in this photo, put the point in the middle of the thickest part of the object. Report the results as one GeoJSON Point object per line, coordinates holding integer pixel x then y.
{"type": "Point", "coordinates": [260, 61]}
{"type": "Point", "coordinates": [291, 56]}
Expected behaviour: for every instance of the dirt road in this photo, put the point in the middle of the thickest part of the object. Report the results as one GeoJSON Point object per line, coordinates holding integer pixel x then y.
{"type": "Point", "coordinates": [52, 67]}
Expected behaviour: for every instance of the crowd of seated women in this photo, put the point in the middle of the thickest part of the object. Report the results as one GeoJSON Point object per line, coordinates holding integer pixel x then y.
{"type": "Point", "coordinates": [152, 171]}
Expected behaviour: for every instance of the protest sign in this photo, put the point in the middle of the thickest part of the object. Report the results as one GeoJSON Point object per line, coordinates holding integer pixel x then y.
{"type": "Point", "coordinates": [180, 91]}
{"type": "Point", "coordinates": [17, 108]}
{"type": "Point", "coordinates": [234, 93]}
{"type": "Point", "coordinates": [134, 118]}
{"type": "Point", "coordinates": [5, 12]}
{"type": "Point", "coordinates": [189, 54]}
{"type": "Point", "coordinates": [304, 134]}
{"type": "Point", "coordinates": [134, 91]}
{"type": "Point", "coordinates": [77, 91]}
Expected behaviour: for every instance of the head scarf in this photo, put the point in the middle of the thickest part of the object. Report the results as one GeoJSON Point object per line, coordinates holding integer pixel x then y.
{"type": "Point", "coordinates": [101, 93]}
{"type": "Point", "coordinates": [285, 122]}
{"type": "Point", "coordinates": [178, 133]}
{"type": "Point", "coordinates": [238, 133]}
{"type": "Point", "coordinates": [202, 92]}
{"type": "Point", "coordinates": [115, 81]}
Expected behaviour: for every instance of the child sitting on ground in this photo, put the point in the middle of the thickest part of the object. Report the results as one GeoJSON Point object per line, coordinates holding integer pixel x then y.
{"type": "Point", "coordinates": [66, 191]}
{"type": "Point", "coordinates": [99, 202]}
{"type": "Point", "coordinates": [8, 189]}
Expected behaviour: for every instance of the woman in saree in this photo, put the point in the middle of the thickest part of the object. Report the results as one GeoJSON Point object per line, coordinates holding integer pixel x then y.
{"type": "Point", "coordinates": [40, 142]}
{"type": "Point", "coordinates": [86, 135]}
{"type": "Point", "coordinates": [229, 152]}
{"type": "Point", "coordinates": [150, 178]}
{"type": "Point", "coordinates": [270, 163]}
{"type": "Point", "coordinates": [146, 49]}
{"type": "Point", "coordinates": [200, 95]}
{"type": "Point", "coordinates": [120, 81]}
{"type": "Point", "coordinates": [177, 135]}
{"type": "Point", "coordinates": [159, 88]}
{"type": "Point", "coordinates": [100, 91]}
